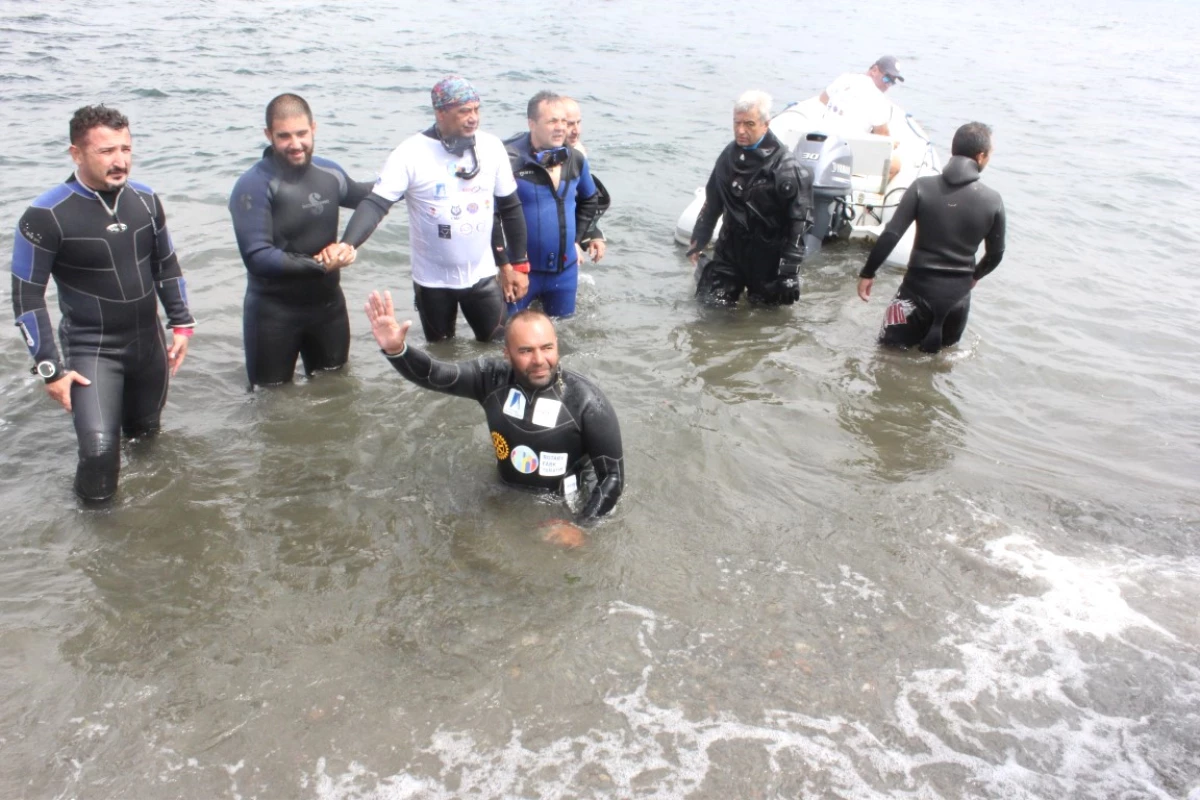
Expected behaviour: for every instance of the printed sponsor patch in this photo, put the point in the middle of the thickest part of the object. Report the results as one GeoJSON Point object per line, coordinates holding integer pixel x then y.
{"type": "Point", "coordinates": [472, 208]}
{"type": "Point", "coordinates": [514, 404]}
{"type": "Point", "coordinates": [443, 231]}
{"type": "Point", "coordinates": [439, 190]}
{"type": "Point", "coordinates": [524, 459]}
{"type": "Point", "coordinates": [500, 445]}
{"type": "Point", "coordinates": [455, 211]}
{"type": "Point", "coordinates": [466, 229]}
{"type": "Point", "coordinates": [552, 464]}
{"type": "Point", "coordinates": [545, 412]}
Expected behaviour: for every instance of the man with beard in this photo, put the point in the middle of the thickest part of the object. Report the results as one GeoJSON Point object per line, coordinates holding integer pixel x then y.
{"type": "Point", "coordinates": [592, 240]}
{"type": "Point", "coordinates": [104, 240]}
{"type": "Point", "coordinates": [450, 175]}
{"type": "Point", "coordinates": [764, 196]}
{"type": "Point", "coordinates": [285, 216]}
{"type": "Point", "coordinates": [954, 213]}
{"type": "Point", "coordinates": [552, 429]}
{"type": "Point", "coordinates": [559, 201]}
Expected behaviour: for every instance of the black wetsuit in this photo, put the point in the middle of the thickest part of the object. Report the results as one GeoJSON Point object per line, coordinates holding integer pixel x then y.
{"type": "Point", "coordinates": [954, 213]}
{"type": "Point", "coordinates": [108, 271]}
{"type": "Point", "coordinates": [764, 196]}
{"type": "Point", "coordinates": [283, 216]}
{"type": "Point", "coordinates": [562, 438]}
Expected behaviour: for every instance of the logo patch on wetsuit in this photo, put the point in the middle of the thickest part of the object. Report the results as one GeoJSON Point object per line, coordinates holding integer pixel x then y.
{"type": "Point", "coordinates": [316, 204]}
{"type": "Point", "coordinates": [500, 445]}
{"type": "Point", "coordinates": [898, 311]}
{"type": "Point", "coordinates": [28, 337]}
{"type": "Point", "coordinates": [545, 412]}
{"type": "Point", "coordinates": [514, 404]}
{"type": "Point", "coordinates": [552, 464]}
{"type": "Point", "coordinates": [443, 231]}
{"type": "Point", "coordinates": [524, 459]}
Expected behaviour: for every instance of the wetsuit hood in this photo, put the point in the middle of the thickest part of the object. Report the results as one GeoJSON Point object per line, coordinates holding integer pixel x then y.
{"type": "Point", "coordinates": [961, 170]}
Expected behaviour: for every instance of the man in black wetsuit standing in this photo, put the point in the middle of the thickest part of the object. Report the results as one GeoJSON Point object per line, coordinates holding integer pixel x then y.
{"type": "Point", "coordinates": [954, 213]}
{"type": "Point", "coordinates": [285, 216]}
{"type": "Point", "coordinates": [763, 196]}
{"type": "Point", "coordinates": [552, 430]}
{"type": "Point", "coordinates": [104, 240]}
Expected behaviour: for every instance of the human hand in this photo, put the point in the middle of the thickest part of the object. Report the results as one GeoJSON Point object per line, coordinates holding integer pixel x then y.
{"type": "Point", "coordinates": [178, 352]}
{"type": "Point", "coordinates": [60, 389]}
{"type": "Point", "coordinates": [864, 288]}
{"type": "Point", "coordinates": [563, 533]}
{"type": "Point", "coordinates": [514, 284]}
{"type": "Point", "coordinates": [389, 333]}
{"type": "Point", "coordinates": [693, 253]}
{"type": "Point", "coordinates": [336, 255]}
{"type": "Point", "coordinates": [596, 249]}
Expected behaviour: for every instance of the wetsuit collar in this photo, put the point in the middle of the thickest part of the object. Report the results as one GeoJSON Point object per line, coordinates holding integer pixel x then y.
{"type": "Point", "coordinates": [960, 170]}
{"type": "Point", "coordinates": [756, 144]}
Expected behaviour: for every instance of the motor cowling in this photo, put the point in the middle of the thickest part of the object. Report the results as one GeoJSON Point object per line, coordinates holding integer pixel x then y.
{"type": "Point", "coordinates": [831, 162]}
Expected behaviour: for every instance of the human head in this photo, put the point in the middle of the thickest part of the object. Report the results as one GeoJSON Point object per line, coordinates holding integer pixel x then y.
{"type": "Point", "coordinates": [886, 73]}
{"type": "Point", "coordinates": [456, 106]}
{"type": "Point", "coordinates": [290, 129]}
{"type": "Point", "coordinates": [531, 347]}
{"type": "Point", "coordinates": [547, 125]}
{"type": "Point", "coordinates": [751, 117]}
{"type": "Point", "coordinates": [973, 140]}
{"type": "Point", "coordinates": [574, 119]}
{"type": "Point", "coordinates": [101, 147]}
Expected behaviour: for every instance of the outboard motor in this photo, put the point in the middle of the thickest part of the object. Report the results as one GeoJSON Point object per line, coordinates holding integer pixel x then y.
{"type": "Point", "coordinates": [831, 162]}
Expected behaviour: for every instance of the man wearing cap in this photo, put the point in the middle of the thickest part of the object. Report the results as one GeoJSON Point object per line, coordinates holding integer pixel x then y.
{"type": "Point", "coordinates": [451, 175]}
{"type": "Point", "coordinates": [859, 99]}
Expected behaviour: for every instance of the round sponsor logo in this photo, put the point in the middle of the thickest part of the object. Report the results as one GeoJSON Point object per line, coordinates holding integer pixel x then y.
{"type": "Point", "coordinates": [472, 208]}
{"type": "Point", "coordinates": [524, 459]}
{"type": "Point", "coordinates": [500, 445]}
{"type": "Point", "coordinates": [466, 228]}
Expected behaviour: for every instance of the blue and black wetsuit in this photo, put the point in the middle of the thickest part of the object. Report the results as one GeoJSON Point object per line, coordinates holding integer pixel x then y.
{"type": "Point", "coordinates": [954, 213]}
{"type": "Point", "coordinates": [562, 438]}
{"type": "Point", "coordinates": [555, 219]}
{"type": "Point", "coordinates": [109, 268]}
{"type": "Point", "coordinates": [283, 216]}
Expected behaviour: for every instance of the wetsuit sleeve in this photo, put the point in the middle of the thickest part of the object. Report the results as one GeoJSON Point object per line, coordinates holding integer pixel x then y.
{"type": "Point", "coordinates": [795, 188]}
{"type": "Point", "coordinates": [254, 227]}
{"type": "Point", "coordinates": [366, 218]}
{"type": "Point", "coordinates": [603, 202]}
{"type": "Point", "coordinates": [587, 203]}
{"type": "Point", "coordinates": [34, 247]}
{"type": "Point", "coordinates": [356, 192]}
{"type": "Point", "coordinates": [463, 379]}
{"type": "Point", "coordinates": [706, 220]}
{"type": "Point", "coordinates": [906, 212]}
{"type": "Point", "coordinates": [168, 275]}
{"type": "Point", "coordinates": [602, 441]}
{"type": "Point", "coordinates": [994, 245]}
{"type": "Point", "coordinates": [510, 241]}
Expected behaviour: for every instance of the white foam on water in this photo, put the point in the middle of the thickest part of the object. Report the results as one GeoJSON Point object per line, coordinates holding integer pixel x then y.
{"type": "Point", "coordinates": [1008, 716]}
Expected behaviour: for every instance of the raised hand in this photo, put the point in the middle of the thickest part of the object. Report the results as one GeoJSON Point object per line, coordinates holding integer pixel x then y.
{"type": "Point", "coordinates": [388, 332]}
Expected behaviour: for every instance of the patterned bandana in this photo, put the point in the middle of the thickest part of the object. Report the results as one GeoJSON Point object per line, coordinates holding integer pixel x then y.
{"type": "Point", "coordinates": [453, 91]}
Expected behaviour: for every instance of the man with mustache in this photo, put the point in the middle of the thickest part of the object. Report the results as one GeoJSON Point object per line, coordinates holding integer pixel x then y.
{"type": "Point", "coordinates": [450, 176]}
{"type": "Point", "coordinates": [104, 241]}
{"type": "Point", "coordinates": [552, 430]}
{"type": "Point", "coordinates": [285, 216]}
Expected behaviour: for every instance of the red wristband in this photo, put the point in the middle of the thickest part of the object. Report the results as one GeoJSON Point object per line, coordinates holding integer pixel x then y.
{"type": "Point", "coordinates": [521, 266]}
{"type": "Point", "coordinates": [183, 331]}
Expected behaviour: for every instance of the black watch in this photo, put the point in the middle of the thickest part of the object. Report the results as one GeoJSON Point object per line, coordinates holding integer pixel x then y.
{"type": "Point", "coordinates": [49, 371]}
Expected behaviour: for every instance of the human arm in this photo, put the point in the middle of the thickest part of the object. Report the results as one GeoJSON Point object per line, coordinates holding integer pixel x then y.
{"type": "Point", "coordinates": [906, 212]}
{"type": "Point", "coordinates": [510, 242]}
{"type": "Point", "coordinates": [587, 203]}
{"type": "Point", "coordinates": [994, 246]}
{"type": "Point", "coordinates": [254, 227]}
{"type": "Point", "coordinates": [34, 248]}
{"type": "Point", "coordinates": [464, 379]}
{"type": "Point", "coordinates": [602, 442]}
{"type": "Point", "coordinates": [366, 218]}
{"type": "Point", "coordinates": [593, 237]}
{"type": "Point", "coordinates": [706, 220]}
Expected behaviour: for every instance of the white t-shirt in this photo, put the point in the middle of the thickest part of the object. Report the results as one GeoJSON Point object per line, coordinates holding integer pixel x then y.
{"type": "Point", "coordinates": [855, 97]}
{"type": "Point", "coordinates": [449, 219]}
